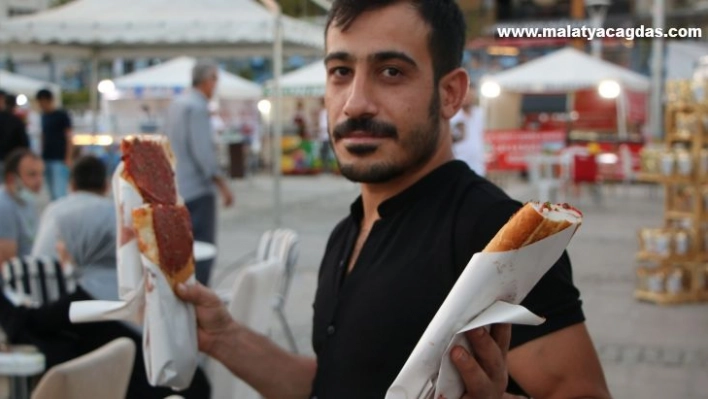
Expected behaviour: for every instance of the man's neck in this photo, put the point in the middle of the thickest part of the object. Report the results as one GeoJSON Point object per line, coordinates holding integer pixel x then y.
{"type": "Point", "coordinates": [373, 195]}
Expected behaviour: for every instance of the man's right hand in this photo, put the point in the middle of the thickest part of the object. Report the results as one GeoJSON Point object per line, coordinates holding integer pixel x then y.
{"type": "Point", "coordinates": [213, 320]}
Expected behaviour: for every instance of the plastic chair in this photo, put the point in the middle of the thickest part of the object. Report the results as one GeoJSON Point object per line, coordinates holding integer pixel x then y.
{"type": "Point", "coordinates": [103, 373]}
{"type": "Point", "coordinates": [250, 305]}
{"type": "Point", "coordinates": [284, 246]}
{"type": "Point", "coordinates": [41, 280]}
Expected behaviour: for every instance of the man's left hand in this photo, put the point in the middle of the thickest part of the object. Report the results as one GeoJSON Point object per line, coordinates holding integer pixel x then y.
{"type": "Point", "coordinates": [484, 373]}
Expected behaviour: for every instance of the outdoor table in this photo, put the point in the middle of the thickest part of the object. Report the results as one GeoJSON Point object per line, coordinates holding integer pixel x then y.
{"type": "Point", "coordinates": [19, 363]}
{"type": "Point", "coordinates": [204, 251]}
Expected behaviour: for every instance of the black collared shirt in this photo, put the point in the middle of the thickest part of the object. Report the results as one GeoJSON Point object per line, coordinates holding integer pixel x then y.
{"type": "Point", "coordinates": [367, 322]}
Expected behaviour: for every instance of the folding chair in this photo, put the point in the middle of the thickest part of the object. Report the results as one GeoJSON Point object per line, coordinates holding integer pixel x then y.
{"type": "Point", "coordinates": [284, 246]}
{"type": "Point", "coordinates": [102, 373]}
{"type": "Point", "coordinates": [39, 280]}
{"type": "Point", "coordinates": [250, 304]}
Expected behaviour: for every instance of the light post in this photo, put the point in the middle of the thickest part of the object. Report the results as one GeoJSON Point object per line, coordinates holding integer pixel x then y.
{"type": "Point", "coordinates": [277, 108]}
{"type": "Point", "coordinates": [611, 90]}
{"type": "Point", "coordinates": [597, 10]}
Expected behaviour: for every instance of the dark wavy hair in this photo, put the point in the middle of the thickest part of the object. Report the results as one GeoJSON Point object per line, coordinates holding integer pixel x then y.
{"type": "Point", "coordinates": [446, 41]}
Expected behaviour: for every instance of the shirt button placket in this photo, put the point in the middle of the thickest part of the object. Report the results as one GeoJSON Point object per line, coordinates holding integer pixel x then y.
{"type": "Point", "coordinates": [331, 330]}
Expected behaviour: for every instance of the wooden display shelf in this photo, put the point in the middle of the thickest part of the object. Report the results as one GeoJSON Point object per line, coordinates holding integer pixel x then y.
{"type": "Point", "coordinates": [666, 298]}
{"type": "Point", "coordinates": [684, 124]}
{"type": "Point", "coordinates": [659, 178]}
{"type": "Point", "coordinates": [679, 215]}
{"type": "Point", "coordinates": [652, 256]}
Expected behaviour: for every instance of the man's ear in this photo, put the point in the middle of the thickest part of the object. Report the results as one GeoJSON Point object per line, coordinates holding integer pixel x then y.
{"type": "Point", "coordinates": [453, 90]}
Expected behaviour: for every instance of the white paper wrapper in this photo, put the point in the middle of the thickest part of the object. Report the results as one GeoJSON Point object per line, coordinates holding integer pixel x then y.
{"type": "Point", "coordinates": [169, 324]}
{"type": "Point", "coordinates": [487, 292]}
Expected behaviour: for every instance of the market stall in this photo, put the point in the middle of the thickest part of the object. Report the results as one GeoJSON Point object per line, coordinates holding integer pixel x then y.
{"type": "Point", "coordinates": [671, 262]}
{"type": "Point", "coordinates": [303, 87]}
{"type": "Point", "coordinates": [139, 100]}
{"type": "Point", "coordinates": [23, 85]}
{"type": "Point", "coordinates": [566, 97]}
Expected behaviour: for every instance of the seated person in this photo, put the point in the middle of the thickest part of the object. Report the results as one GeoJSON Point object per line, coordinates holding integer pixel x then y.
{"type": "Point", "coordinates": [88, 185]}
{"type": "Point", "coordinates": [90, 247]}
{"type": "Point", "coordinates": [22, 181]}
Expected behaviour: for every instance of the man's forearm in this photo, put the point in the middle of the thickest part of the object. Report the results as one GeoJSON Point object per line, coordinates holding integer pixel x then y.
{"type": "Point", "coordinates": [269, 369]}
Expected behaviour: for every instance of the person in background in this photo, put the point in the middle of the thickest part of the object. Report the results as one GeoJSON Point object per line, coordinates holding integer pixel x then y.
{"type": "Point", "coordinates": [189, 130]}
{"type": "Point", "coordinates": [57, 144]}
{"type": "Point", "coordinates": [468, 133]}
{"type": "Point", "coordinates": [323, 136]}
{"type": "Point", "coordinates": [88, 186]}
{"type": "Point", "coordinates": [300, 120]}
{"type": "Point", "coordinates": [13, 132]}
{"type": "Point", "coordinates": [3, 99]}
{"type": "Point", "coordinates": [18, 208]}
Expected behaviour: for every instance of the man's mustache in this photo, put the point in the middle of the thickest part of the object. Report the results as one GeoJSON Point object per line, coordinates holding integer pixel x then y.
{"type": "Point", "coordinates": [371, 126]}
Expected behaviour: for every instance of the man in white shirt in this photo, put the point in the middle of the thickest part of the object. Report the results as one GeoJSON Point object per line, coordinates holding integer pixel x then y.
{"type": "Point", "coordinates": [323, 137]}
{"type": "Point", "coordinates": [468, 133]}
{"type": "Point", "coordinates": [88, 184]}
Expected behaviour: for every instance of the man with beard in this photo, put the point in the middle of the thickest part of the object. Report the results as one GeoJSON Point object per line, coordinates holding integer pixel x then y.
{"type": "Point", "coordinates": [394, 81]}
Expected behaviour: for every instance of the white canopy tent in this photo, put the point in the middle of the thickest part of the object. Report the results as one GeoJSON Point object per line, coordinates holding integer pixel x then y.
{"type": "Point", "coordinates": [106, 29]}
{"type": "Point", "coordinates": [141, 99]}
{"type": "Point", "coordinates": [566, 70]}
{"type": "Point", "coordinates": [18, 84]}
{"type": "Point", "coordinates": [158, 28]}
{"type": "Point", "coordinates": [175, 75]}
{"type": "Point", "coordinates": [309, 81]}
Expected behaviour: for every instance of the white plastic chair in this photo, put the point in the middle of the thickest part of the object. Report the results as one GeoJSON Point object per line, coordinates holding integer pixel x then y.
{"type": "Point", "coordinates": [250, 305]}
{"type": "Point", "coordinates": [39, 280]}
{"type": "Point", "coordinates": [284, 246]}
{"type": "Point", "coordinates": [103, 373]}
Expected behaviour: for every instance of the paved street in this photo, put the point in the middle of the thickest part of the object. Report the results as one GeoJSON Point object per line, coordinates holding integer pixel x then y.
{"type": "Point", "coordinates": [648, 351]}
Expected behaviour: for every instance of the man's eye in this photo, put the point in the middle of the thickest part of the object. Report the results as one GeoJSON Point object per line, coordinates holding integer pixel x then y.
{"type": "Point", "coordinates": [339, 71]}
{"type": "Point", "coordinates": [392, 72]}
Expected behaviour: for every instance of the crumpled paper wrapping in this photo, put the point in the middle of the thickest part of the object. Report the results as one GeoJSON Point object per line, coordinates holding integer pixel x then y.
{"type": "Point", "coordinates": [487, 292]}
{"type": "Point", "coordinates": [169, 324]}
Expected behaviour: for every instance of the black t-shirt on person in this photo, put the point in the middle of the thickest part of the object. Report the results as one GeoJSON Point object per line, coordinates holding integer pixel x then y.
{"type": "Point", "coordinates": [54, 142]}
{"type": "Point", "coordinates": [367, 322]}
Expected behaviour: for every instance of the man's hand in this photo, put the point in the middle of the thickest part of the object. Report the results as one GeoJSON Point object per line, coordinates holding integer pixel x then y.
{"type": "Point", "coordinates": [484, 373]}
{"type": "Point", "coordinates": [228, 197]}
{"type": "Point", "coordinates": [213, 320]}
{"type": "Point", "coordinates": [225, 191]}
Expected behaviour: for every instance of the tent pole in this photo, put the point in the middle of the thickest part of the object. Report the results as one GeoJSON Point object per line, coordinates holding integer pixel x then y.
{"type": "Point", "coordinates": [621, 104]}
{"type": "Point", "coordinates": [657, 70]}
{"type": "Point", "coordinates": [277, 117]}
{"type": "Point", "coordinates": [93, 92]}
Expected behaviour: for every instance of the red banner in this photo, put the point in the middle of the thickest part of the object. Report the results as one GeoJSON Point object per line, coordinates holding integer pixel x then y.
{"type": "Point", "coordinates": [508, 149]}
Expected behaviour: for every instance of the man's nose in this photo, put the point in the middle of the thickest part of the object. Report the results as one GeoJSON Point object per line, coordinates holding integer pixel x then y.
{"type": "Point", "coordinates": [360, 102]}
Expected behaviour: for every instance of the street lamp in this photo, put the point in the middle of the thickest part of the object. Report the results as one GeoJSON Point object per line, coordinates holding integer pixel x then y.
{"type": "Point", "coordinates": [609, 89]}
{"type": "Point", "coordinates": [597, 10]}
{"type": "Point", "coordinates": [490, 89]}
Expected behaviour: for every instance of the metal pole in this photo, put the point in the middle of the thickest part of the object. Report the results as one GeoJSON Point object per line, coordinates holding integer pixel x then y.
{"type": "Point", "coordinates": [621, 104]}
{"type": "Point", "coordinates": [657, 70]}
{"type": "Point", "coordinates": [93, 92]}
{"type": "Point", "coordinates": [277, 117]}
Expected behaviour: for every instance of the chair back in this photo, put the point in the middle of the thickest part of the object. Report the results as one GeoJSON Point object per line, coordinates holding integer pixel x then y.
{"type": "Point", "coordinates": [284, 247]}
{"type": "Point", "coordinates": [41, 279]}
{"type": "Point", "coordinates": [103, 373]}
{"type": "Point", "coordinates": [251, 306]}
